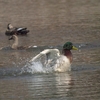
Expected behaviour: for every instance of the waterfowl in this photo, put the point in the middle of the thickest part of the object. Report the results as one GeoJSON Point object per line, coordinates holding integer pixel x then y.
{"type": "Point", "coordinates": [15, 43]}
{"type": "Point", "coordinates": [19, 30]}
{"type": "Point", "coordinates": [54, 60]}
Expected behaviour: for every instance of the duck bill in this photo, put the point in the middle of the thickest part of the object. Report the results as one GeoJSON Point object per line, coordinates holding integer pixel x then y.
{"type": "Point", "coordinates": [74, 48]}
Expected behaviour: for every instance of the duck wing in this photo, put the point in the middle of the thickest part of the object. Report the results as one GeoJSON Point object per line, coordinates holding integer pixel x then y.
{"type": "Point", "coordinates": [21, 28]}
{"type": "Point", "coordinates": [46, 56]}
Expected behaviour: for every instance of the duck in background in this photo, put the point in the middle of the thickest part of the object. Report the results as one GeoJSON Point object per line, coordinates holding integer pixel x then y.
{"type": "Point", "coordinates": [54, 60]}
{"type": "Point", "coordinates": [15, 42]}
{"type": "Point", "coordinates": [19, 30]}
{"type": "Point", "coordinates": [14, 45]}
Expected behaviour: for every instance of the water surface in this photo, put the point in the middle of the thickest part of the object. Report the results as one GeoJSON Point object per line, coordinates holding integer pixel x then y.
{"type": "Point", "coordinates": [51, 24]}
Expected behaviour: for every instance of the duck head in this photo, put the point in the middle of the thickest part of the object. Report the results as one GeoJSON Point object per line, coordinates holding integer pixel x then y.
{"type": "Point", "coordinates": [66, 50]}
{"type": "Point", "coordinates": [69, 46]}
{"type": "Point", "coordinates": [9, 26]}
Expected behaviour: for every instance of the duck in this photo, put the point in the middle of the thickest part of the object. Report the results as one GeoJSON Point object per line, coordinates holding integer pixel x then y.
{"type": "Point", "coordinates": [15, 46]}
{"type": "Point", "coordinates": [15, 43]}
{"type": "Point", "coordinates": [19, 30]}
{"type": "Point", "coordinates": [54, 60]}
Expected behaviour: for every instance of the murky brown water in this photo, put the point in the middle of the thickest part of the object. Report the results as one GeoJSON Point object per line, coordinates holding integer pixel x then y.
{"type": "Point", "coordinates": [51, 23]}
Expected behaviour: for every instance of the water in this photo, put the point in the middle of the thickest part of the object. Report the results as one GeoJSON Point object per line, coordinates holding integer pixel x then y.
{"type": "Point", "coordinates": [51, 24]}
{"type": "Point", "coordinates": [80, 83]}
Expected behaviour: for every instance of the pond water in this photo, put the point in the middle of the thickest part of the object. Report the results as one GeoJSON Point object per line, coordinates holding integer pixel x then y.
{"type": "Point", "coordinates": [81, 83]}
{"type": "Point", "coordinates": [51, 24]}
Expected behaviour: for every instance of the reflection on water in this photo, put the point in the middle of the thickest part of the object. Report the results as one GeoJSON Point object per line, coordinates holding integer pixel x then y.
{"type": "Point", "coordinates": [59, 86]}
{"type": "Point", "coordinates": [48, 86]}
{"type": "Point", "coordinates": [36, 87]}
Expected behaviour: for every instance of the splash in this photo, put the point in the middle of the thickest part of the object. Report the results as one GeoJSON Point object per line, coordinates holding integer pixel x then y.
{"type": "Point", "coordinates": [36, 67]}
{"type": "Point", "coordinates": [59, 64]}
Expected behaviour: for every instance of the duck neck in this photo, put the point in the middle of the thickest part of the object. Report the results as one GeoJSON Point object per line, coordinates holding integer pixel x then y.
{"type": "Point", "coordinates": [68, 54]}
{"type": "Point", "coordinates": [15, 44]}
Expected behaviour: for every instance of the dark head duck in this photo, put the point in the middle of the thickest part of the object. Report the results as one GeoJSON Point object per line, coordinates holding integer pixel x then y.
{"type": "Point", "coordinates": [19, 30]}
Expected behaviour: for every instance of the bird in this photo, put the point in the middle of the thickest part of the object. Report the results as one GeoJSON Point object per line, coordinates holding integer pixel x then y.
{"type": "Point", "coordinates": [19, 30]}
{"type": "Point", "coordinates": [15, 43]}
{"type": "Point", "coordinates": [15, 46]}
{"type": "Point", "coordinates": [54, 60]}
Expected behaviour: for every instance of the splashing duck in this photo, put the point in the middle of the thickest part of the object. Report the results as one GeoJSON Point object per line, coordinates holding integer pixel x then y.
{"type": "Point", "coordinates": [55, 61]}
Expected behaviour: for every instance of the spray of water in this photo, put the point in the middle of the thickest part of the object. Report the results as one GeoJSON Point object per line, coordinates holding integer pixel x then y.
{"type": "Point", "coordinates": [60, 64]}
